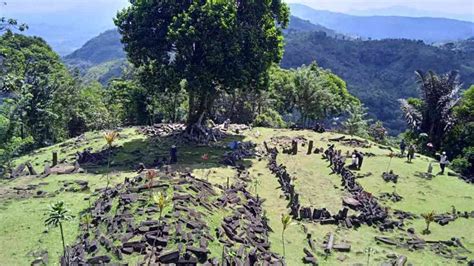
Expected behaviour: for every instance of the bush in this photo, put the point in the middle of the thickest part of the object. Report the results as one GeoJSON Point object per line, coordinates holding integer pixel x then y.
{"type": "Point", "coordinates": [460, 165]}
{"type": "Point", "coordinates": [464, 163]}
{"type": "Point", "coordinates": [269, 118]}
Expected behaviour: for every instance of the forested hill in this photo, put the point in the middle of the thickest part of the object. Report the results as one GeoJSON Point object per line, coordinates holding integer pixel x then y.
{"type": "Point", "coordinates": [430, 30]}
{"type": "Point", "coordinates": [378, 72]}
{"type": "Point", "coordinates": [101, 49]}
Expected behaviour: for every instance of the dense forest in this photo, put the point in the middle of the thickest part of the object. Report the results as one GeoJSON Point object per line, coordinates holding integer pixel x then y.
{"type": "Point", "coordinates": [378, 72]}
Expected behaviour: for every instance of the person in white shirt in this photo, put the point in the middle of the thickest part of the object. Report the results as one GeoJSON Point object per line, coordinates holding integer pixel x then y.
{"type": "Point", "coordinates": [443, 161]}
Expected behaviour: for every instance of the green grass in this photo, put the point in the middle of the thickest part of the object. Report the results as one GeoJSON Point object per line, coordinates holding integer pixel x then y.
{"type": "Point", "coordinates": [22, 218]}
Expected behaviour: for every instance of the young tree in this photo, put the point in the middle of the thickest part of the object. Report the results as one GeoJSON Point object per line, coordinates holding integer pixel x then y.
{"type": "Point", "coordinates": [162, 201]}
{"type": "Point", "coordinates": [58, 213]}
{"type": "Point", "coordinates": [285, 221]}
{"type": "Point", "coordinates": [429, 218]}
{"type": "Point", "coordinates": [356, 123]}
{"type": "Point", "coordinates": [319, 94]}
{"type": "Point", "coordinates": [109, 137]}
{"type": "Point", "coordinates": [214, 45]}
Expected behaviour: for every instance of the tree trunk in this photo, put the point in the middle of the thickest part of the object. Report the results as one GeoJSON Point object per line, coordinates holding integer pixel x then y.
{"type": "Point", "coordinates": [198, 113]}
{"type": "Point", "coordinates": [283, 242]}
{"type": "Point", "coordinates": [62, 239]}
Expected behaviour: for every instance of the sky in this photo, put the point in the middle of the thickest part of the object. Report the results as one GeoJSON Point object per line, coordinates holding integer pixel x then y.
{"type": "Point", "coordinates": [67, 24]}
{"type": "Point", "coordinates": [109, 7]}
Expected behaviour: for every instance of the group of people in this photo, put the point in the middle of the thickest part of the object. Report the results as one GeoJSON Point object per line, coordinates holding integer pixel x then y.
{"type": "Point", "coordinates": [337, 160]}
{"type": "Point", "coordinates": [443, 158]}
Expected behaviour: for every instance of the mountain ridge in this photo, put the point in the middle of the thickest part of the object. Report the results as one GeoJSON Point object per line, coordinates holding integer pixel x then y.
{"type": "Point", "coordinates": [430, 30]}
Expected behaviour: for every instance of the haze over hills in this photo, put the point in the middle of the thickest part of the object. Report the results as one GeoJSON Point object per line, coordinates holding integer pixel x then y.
{"type": "Point", "coordinates": [69, 28]}
{"type": "Point", "coordinates": [410, 12]}
{"type": "Point", "coordinates": [427, 29]}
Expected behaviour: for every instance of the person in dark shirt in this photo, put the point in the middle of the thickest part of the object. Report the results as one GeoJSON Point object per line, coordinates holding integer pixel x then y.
{"type": "Point", "coordinates": [360, 158]}
{"type": "Point", "coordinates": [173, 155]}
{"type": "Point", "coordinates": [403, 146]}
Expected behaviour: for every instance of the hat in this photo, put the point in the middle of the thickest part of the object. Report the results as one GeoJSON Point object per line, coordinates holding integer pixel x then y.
{"type": "Point", "coordinates": [174, 146]}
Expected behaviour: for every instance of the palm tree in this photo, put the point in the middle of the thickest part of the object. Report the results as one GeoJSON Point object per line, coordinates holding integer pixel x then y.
{"type": "Point", "coordinates": [110, 137]}
{"type": "Point", "coordinates": [285, 221]}
{"type": "Point", "coordinates": [58, 213]}
{"type": "Point", "coordinates": [162, 201]}
{"type": "Point", "coordinates": [429, 217]}
{"type": "Point", "coordinates": [433, 112]}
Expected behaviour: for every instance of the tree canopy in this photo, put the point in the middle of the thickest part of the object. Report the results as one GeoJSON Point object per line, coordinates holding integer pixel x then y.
{"type": "Point", "coordinates": [215, 46]}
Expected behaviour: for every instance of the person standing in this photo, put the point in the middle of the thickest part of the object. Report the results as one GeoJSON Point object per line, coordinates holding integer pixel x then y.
{"type": "Point", "coordinates": [443, 161]}
{"type": "Point", "coordinates": [360, 158]}
{"type": "Point", "coordinates": [403, 146]}
{"type": "Point", "coordinates": [411, 152]}
{"type": "Point", "coordinates": [173, 154]}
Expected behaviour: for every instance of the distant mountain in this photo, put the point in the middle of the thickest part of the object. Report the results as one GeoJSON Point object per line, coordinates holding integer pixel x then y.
{"type": "Point", "coordinates": [102, 57]}
{"type": "Point", "coordinates": [103, 48]}
{"type": "Point", "coordinates": [430, 30]}
{"type": "Point", "coordinates": [379, 72]}
{"type": "Point", "coordinates": [410, 12]}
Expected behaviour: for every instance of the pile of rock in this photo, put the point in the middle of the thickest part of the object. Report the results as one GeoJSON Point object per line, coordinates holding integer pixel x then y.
{"type": "Point", "coordinates": [450, 249]}
{"type": "Point", "coordinates": [88, 156]}
{"type": "Point", "coordinates": [352, 142]}
{"type": "Point", "coordinates": [243, 150]}
{"type": "Point", "coordinates": [394, 197]}
{"type": "Point", "coordinates": [390, 177]}
{"type": "Point", "coordinates": [162, 130]}
{"type": "Point", "coordinates": [150, 237]}
{"type": "Point", "coordinates": [24, 169]}
{"type": "Point", "coordinates": [245, 232]}
{"type": "Point", "coordinates": [284, 179]}
{"type": "Point", "coordinates": [371, 212]}
{"type": "Point", "coordinates": [446, 218]}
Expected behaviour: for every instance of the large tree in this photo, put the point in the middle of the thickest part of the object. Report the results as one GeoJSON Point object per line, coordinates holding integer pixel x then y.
{"type": "Point", "coordinates": [215, 46]}
{"type": "Point", "coordinates": [433, 114]}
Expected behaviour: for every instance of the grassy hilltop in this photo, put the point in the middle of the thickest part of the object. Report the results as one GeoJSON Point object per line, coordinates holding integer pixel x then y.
{"type": "Point", "coordinates": [22, 212]}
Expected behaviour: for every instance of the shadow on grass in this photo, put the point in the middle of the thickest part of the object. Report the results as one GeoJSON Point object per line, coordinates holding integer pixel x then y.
{"type": "Point", "coordinates": [150, 151]}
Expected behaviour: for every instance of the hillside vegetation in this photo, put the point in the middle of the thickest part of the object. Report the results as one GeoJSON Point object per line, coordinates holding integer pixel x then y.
{"type": "Point", "coordinates": [378, 72]}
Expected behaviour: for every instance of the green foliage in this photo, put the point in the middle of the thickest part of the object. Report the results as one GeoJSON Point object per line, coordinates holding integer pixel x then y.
{"type": "Point", "coordinates": [40, 87]}
{"type": "Point", "coordinates": [356, 123]}
{"type": "Point", "coordinates": [90, 111]}
{"type": "Point", "coordinates": [215, 46]}
{"type": "Point", "coordinates": [377, 131]}
{"type": "Point", "coordinates": [57, 214]}
{"type": "Point", "coordinates": [320, 94]}
{"type": "Point", "coordinates": [270, 118]}
{"type": "Point", "coordinates": [434, 115]}
{"type": "Point", "coordinates": [128, 101]}
{"type": "Point", "coordinates": [377, 72]}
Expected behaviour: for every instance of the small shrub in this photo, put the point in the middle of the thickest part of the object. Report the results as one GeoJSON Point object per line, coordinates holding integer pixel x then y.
{"type": "Point", "coordinates": [269, 118]}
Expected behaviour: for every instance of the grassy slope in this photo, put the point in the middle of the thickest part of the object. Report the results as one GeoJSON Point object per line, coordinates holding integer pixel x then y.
{"type": "Point", "coordinates": [22, 219]}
